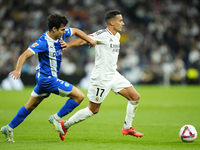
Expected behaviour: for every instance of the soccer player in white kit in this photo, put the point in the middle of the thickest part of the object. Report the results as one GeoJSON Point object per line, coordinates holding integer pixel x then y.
{"type": "Point", "coordinates": [105, 77]}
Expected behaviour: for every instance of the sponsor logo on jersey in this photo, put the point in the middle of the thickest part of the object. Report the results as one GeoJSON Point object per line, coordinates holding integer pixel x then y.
{"type": "Point", "coordinates": [57, 53]}
{"type": "Point", "coordinates": [115, 47]}
{"type": "Point", "coordinates": [115, 50]}
{"type": "Point", "coordinates": [35, 44]}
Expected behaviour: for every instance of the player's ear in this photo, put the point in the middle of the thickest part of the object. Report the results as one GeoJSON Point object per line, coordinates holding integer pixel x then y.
{"type": "Point", "coordinates": [112, 22]}
{"type": "Point", "coordinates": [54, 29]}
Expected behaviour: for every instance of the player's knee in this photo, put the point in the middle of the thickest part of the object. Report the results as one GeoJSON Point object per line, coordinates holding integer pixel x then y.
{"type": "Point", "coordinates": [138, 97]}
{"type": "Point", "coordinates": [79, 98]}
{"type": "Point", "coordinates": [135, 97]}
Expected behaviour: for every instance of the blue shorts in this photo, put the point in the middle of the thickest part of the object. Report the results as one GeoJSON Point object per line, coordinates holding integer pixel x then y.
{"type": "Point", "coordinates": [47, 85]}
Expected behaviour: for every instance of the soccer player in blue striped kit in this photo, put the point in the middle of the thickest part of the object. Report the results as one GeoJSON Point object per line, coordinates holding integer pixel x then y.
{"type": "Point", "coordinates": [49, 52]}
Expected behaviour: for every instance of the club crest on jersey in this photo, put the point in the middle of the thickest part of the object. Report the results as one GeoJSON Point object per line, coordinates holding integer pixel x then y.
{"type": "Point", "coordinates": [97, 99]}
{"type": "Point", "coordinates": [35, 44]}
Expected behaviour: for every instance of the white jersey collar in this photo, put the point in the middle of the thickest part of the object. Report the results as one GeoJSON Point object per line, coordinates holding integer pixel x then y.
{"type": "Point", "coordinates": [110, 32]}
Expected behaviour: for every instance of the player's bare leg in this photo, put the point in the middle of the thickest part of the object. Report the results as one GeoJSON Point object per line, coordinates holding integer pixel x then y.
{"type": "Point", "coordinates": [33, 102]}
{"type": "Point", "coordinates": [76, 95]}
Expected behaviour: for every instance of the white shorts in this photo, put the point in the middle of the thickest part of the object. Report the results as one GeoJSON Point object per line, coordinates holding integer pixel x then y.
{"type": "Point", "coordinates": [97, 93]}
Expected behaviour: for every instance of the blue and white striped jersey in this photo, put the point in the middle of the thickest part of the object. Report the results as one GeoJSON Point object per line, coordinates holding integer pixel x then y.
{"type": "Point", "coordinates": [49, 53]}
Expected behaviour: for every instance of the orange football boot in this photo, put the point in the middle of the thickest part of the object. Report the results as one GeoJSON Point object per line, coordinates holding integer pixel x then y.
{"type": "Point", "coordinates": [62, 137]}
{"type": "Point", "coordinates": [131, 131]}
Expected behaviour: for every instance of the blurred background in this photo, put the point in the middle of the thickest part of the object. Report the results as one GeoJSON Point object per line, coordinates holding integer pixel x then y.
{"type": "Point", "coordinates": [160, 42]}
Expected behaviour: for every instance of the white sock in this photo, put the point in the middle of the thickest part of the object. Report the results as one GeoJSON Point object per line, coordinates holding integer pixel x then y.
{"type": "Point", "coordinates": [9, 128]}
{"type": "Point", "coordinates": [57, 117]}
{"type": "Point", "coordinates": [78, 116]}
{"type": "Point", "coordinates": [130, 113]}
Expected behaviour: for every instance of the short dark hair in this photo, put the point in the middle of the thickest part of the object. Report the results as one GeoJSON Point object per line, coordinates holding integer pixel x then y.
{"type": "Point", "coordinates": [56, 20]}
{"type": "Point", "coordinates": [111, 14]}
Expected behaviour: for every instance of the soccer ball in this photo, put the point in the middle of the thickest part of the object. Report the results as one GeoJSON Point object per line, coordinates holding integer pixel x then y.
{"type": "Point", "coordinates": [188, 133]}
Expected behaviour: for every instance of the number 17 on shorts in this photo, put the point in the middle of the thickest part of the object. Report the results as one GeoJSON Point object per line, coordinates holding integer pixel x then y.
{"type": "Point", "coordinates": [97, 94]}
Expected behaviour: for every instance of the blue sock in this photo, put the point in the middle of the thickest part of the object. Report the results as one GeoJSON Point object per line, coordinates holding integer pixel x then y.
{"type": "Point", "coordinates": [20, 116]}
{"type": "Point", "coordinates": [68, 107]}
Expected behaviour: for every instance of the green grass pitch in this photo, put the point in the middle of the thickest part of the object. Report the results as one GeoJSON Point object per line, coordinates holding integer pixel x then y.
{"type": "Point", "coordinates": [162, 112]}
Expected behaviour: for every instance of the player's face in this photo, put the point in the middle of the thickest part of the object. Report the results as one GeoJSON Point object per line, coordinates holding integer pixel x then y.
{"type": "Point", "coordinates": [59, 33]}
{"type": "Point", "coordinates": [118, 23]}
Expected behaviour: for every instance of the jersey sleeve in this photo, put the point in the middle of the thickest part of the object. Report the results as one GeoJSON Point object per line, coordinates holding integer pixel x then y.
{"type": "Point", "coordinates": [38, 46]}
{"type": "Point", "coordinates": [68, 32]}
{"type": "Point", "coordinates": [95, 36]}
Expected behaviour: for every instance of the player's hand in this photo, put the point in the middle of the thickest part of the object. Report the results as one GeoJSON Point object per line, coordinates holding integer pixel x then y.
{"type": "Point", "coordinates": [94, 42]}
{"type": "Point", "coordinates": [63, 44]}
{"type": "Point", "coordinates": [15, 74]}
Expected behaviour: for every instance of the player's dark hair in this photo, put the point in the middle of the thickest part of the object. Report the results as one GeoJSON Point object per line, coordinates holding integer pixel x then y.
{"type": "Point", "coordinates": [56, 20]}
{"type": "Point", "coordinates": [111, 14]}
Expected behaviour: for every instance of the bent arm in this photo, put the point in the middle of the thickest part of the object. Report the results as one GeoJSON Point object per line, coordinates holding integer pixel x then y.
{"type": "Point", "coordinates": [76, 42]}
{"type": "Point", "coordinates": [83, 36]}
{"type": "Point", "coordinates": [17, 72]}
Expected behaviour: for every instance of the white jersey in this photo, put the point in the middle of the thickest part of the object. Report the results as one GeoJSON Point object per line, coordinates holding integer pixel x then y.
{"type": "Point", "coordinates": [106, 56]}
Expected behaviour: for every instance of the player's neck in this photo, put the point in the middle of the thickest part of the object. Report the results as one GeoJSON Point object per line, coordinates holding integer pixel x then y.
{"type": "Point", "coordinates": [112, 30]}
{"type": "Point", "coordinates": [51, 35]}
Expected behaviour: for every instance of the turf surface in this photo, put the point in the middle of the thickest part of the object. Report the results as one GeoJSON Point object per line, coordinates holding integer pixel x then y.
{"type": "Point", "coordinates": [161, 113]}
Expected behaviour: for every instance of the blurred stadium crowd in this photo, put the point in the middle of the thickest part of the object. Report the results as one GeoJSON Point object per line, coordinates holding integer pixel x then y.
{"type": "Point", "coordinates": [160, 42]}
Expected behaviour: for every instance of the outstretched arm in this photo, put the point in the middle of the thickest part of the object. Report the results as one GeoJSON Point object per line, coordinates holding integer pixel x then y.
{"type": "Point", "coordinates": [77, 42]}
{"type": "Point", "coordinates": [17, 72]}
{"type": "Point", "coordinates": [83, 36]}
{"type": "Point", "coordinates": [74, 43]}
